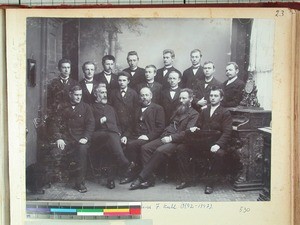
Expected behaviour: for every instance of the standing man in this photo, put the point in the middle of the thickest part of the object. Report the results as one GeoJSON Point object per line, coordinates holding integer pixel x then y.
{"type": "Point", "coordinates": [125, 101]}
{"type": "Point", "coordinates": [137, 73]}
{"type": "Point", "coordinates": [163, 73]}
{"type": "Point", "coordinates": [107, 76]}
{"type": "Point", "coordinates": [149, 124]}
{"type": "Point", "coordinates": [214, 128]}
{"type": "Point", "coordinates": [233, 87]}
{"type": "Point", "coordinates": [203, 86]}
{"type": "Point", "coordinates": [58, 89]}
{"type": "Point", "coordinates": [170, 97]}
{"type": "Point", "coordinates": [155, 87]}
{"type": "Point", "coordinates": [88, 82]}
{"type": "Point", "coordinates": [107, 132]}
{"type": "Point", "coordinates": [156, 151]}
{"type": "Point", "coordinates": [73, 130]}
{"type": "Point", "coordinates": [195, 72]}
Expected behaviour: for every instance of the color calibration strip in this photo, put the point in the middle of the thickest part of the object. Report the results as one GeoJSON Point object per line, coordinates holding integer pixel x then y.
{"type": "Point", "coordinates": [93, 211]}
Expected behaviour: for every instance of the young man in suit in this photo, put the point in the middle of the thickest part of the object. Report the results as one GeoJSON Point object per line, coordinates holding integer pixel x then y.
{"type": "Point", "coordinates": [163, 73]}
{"type": "Point", "coordinates": [233, 87]}
{"type": "Point", "coordinates": [107, 132]}
{"type": "Point", "coordinates": [213, 128]}
{"type": "Point", "coordinates": [58, 89]}
{"type": "Point", "coordinates": [195, 72]}
{"type": "Point", "coordinates": [72, 131]}
{"type": "Point", "coordinates": [107, 76]}
{"type": "Point", "coordinates": [149, 124]}
{"type": "Point", "coordinates": [137, 73]}
{"type": "Point", "coordinates": [125, 101]}
{"type": "Point", "coordinates": [203, 86]}
{"type": "Point", "coordinates": [88, 82]}
{"type": "Point", "coordinates": [170, 96]}
{"type": "Point", "coordinates": [155, 87]}
{"type": "Point", "coordinates": [156, 151]}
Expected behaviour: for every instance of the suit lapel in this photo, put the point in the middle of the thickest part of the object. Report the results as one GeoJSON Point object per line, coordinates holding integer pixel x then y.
{"type": "Point", "coordinates": [216, 113]}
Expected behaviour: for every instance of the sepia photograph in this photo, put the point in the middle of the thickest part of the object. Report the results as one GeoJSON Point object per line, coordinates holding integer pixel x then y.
{"type": "Point", "coordinates": [149, 109]}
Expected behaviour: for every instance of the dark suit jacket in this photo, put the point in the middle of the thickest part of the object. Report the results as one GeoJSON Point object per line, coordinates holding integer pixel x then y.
{"type": "Point", "coordinates": [163, 80]}
{"type": "Point", "coordinates": [156, 91]}
{"type": "Point", "coordinates": [220, 121]}
{"type": "Point", "coordinates": [139, 77]}
{"type": "Point", "coordinates": [113, 82]}
{"type": "Point", "coordinates": [125, 108]}
{"type": "Point", "coordinates": [88, 97]}
{"type": "Point", "coordinates": [233, 93]}
{"type": "Point", "coordinates": [177, 129]}
{"type": "Point", "coordinates": [200, 91]}
{"type": "Point", "coordinates": [189, 79]}
{"type": "Point", "coordinates": [74, 124]}
{"type": "Point", "coordinates": [100, 110]}
{"type": "Point", "coordinates": [58, 93]}
{"type": "Point", "coordinates": [169, 104]}
{"type": "Point", "coordinates": [154, 118]}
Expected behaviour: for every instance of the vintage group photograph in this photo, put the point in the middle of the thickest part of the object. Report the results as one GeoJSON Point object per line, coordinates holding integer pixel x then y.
{"type": "Point", "coordinates": [149, 109]}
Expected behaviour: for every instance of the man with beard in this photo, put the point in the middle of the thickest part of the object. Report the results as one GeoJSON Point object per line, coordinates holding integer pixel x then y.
{"type": "Point", "coordinates": [88, 83]}
{"type": "Point", "coordinates": [213, 128]}
{"type": "Point", "coordinates": [156, 151]}
{"type": "Point", "coordinates": [73, 131]}
{"type": "Point", "coordinates": [150, 123]}
{"type": "Point", "coordinates": [137, 73]}
{"type": "Point", "coordinates": [108, 132]}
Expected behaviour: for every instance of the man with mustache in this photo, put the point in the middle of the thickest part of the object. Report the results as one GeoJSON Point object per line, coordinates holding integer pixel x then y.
{"type": "Point", "coordinates": [156, 151]}
{"type": "Point", "coordinates": [150, 123]}
{"type": "Point", "coordinates": [108, 132]}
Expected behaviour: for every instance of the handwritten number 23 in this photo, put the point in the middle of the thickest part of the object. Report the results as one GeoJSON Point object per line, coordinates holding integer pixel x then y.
{"type": "Point", "coordinates": [279, 13]}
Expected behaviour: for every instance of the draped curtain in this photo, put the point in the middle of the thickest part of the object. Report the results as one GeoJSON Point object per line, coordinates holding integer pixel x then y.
{"type": "Point", "coordinates": [261, 59]}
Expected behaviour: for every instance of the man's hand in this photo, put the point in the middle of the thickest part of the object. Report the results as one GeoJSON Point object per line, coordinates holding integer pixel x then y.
{"type": "Point", "coordinates": [143, 137]}
{"type": "Point", "coordinates": [103, 119]}
{"type": "Point", "coordinates": [166, 139]}
{"type": "Point", "coordinates": [61, 144]}
{"type": "Point", "coordinates": [124, 140]}
{"type": "Point", "coordinates": [83, 141]}
{"type": "Point", "coordinates": [214, 148]}
{"type": "Point", "coordinates": [193, 129]}
{"type": "Point", "coordinates": [202, 102]}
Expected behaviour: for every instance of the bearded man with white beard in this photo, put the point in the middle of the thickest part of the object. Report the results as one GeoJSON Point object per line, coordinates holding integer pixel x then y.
{"type": "Point", "coordinates": [156, 151]}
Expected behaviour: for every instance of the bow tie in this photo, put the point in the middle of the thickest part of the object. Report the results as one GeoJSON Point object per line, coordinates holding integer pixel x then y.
{"type": "Point", "coordinates": [195, 67]}
{"type": "Point", "coordinates": [123, 91]}
{"type": "Point", "coordinates": [107, 74]}
{"type": "Point", "coordinates": [64, 81]}
{"type": "Point", "coordinates": [173, 90]}
{"type": "Point", "coordinates": [89, 82]}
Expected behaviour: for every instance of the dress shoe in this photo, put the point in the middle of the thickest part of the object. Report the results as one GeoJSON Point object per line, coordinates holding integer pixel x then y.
{"type": "Point", "coordinates": [126, 180]}
{"type": "Point", "coordinates": [136, 184]}
{"type": "Point", "coordinates": [110, 184]}
{"type": "Point", "coordinates": [183, 185]}
{"type": "Point", "coordinates": [208, 190]}
{"type": "Point", "coordinates": [80, 188]}
{"type": "Point", "coordinates": [148, 183]}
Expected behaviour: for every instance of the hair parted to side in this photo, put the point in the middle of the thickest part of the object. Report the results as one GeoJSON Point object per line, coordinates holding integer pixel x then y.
{"type": "Point", "coordinates": [63, 60]}
{"type": "Point", "coordinates": [169, 51]}
{"type": "Point", "coordinates": [151, 66]}
{"type": "Point", "coordinates": [108, 57]}
{"type": "Point", "coordinates": [132, 53]}
{"type": "Point", "coordinates": [217, 88]}
{"type": "Point", "coordinates": [125, 74]}
{"type": "Point", "coordinates": [75, 88]}
{"type": "Point", "coordinates": [88, 63]}
{"type": "Point", "coordinates": [234, 64]}
{"type": "Point", "coordinates": [196, 50]}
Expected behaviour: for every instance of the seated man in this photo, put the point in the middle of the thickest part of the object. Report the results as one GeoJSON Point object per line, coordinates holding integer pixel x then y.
{"type": "Point", "coordinates": [107, 132]}
{"type": "Point", "coordinates": [149, 124]}
{"type": "Point", "coordinates": [73, 129]}
{"type": "Point", "coordinates": [156, 151]}
{"type": "Point", "coordinates": [213, 132]}
{"type": "Point", "coordinates": [233, 87]}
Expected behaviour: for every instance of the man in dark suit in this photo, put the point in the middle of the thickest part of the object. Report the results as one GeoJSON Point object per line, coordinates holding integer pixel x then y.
{"type": "Point", "coordinates": [203, 86]}
{"type": "Point", "coordinates": [58, 89]}
{"type": "Point", "coordinates": [156, 151]}
{"type": "Point", "coordinates": [233, 87]}
{"type": "Point", "coordinates": [107, 132]}
{"type": "Point", "coordinates": [137, 73]}
{"type": "Point", "coordinates": [163, 73]}
{"type": "Point", "coordinates": [88, 82]}
{"type": "Point", "coordinates": [155, 87]}
{"type": "Point", "coordinates": [73, 130]}
{"type": "Point", "coordinates": [125, 101]}
{"type": "Point", "coordinates": [195, 72]}
{"type": "Point", "coordinates": [149, 124]}
{"type": "Point", "coordinates": [170, 96]}
{"type": "Point", "coordinates": [212, 135]}
{"type": "Point", "coordinates": [107, 76]}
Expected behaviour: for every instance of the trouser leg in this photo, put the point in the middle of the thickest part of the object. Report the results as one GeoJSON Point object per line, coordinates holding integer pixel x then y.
{"type": "Point", "coordinates": [133, 150]}
{"type": "Point", "coordinates": [183, 158]}
{"type": "Point", "coordinates": [81, 159]}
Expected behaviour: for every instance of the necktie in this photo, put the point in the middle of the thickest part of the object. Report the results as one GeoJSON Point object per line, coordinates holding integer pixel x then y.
{"type": "Point", "coordinates": [165, 71]}
{"type": "Point", "coordinates": [123, 93]}
{"type": "Point", "coordinates": [88, 82]}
